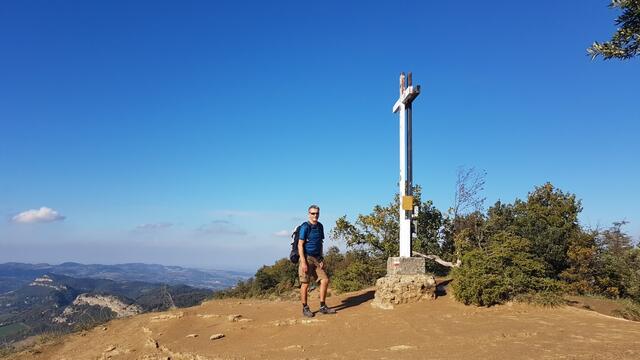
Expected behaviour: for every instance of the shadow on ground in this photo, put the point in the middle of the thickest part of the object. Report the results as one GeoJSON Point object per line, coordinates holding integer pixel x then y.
{"type": "Point", "coordinates": [441, 288]}
{"type": "Point", "coordinates": [355, 300]}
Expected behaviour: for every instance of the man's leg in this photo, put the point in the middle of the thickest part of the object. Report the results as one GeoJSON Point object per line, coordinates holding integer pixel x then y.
{"type": "Point", "coordinates": [304, 287]}
{"type": "Point", "coordinates": [303, 292]}
{"type": "Point", "coordinates": [324, 285]}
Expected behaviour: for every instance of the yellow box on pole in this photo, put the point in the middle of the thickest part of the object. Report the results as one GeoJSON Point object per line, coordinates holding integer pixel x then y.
{"type": "Point", "coordinates": [407, 203]}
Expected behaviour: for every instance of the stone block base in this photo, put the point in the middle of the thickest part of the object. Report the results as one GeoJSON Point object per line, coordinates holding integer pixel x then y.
{"type": "Point", "coordinates": [405, 265]}
{"type": "Point", "coordinates": [394, 290]}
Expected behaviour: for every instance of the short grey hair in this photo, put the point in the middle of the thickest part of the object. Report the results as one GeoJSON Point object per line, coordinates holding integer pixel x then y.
{"type": "Point", "coordinates": [313, 207]}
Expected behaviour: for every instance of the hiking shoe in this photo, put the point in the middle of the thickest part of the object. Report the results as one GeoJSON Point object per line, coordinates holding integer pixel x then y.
{"type": "Point", "coordinates": [326, 310]}
{"type": "Point", "coordinates": [307, 312]}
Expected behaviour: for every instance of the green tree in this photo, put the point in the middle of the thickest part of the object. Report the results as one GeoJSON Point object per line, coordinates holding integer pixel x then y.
{"type": "Point", "coordinates": [333, 261]}
{"type": "Point", "coordinates": [378, 232]}
{"type": "Point", "coordinates": [506, 270]}
{"type": "Point", "coordinates": [620, 274]}
{"type": "Point", "coordinates": [624, 43]}
{"type": "Point", "coordinates": [584, 258]}
{"type": "Point", "coordinates": [548, 218]}
{"type": "Point", "coordinates": [357, 271]}
{"type": "Point", "coordinates": [615, 240]}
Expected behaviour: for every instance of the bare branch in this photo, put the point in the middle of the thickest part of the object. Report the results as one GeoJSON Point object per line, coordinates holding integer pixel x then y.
{"type": "Point", "coordinates": [437, 259]}
{"type": "Point", "coordinates": [469, 186]}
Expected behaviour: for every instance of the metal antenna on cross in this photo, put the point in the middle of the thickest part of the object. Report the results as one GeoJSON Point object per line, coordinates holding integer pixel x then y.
{"type": "Point", "coordinates": [403, 106]}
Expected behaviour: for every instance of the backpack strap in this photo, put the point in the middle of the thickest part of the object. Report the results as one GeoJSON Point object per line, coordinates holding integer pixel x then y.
{"type": "Point", "coordinates": [301, 225]}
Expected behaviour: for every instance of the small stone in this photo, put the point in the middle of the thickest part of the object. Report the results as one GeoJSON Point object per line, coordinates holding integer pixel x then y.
{"type": "Point", "coordinates": [192, 335]}
{"type": "Point", "coordinates": [104, 328]}
{"type": "Point", "coordinates": [401, 347]}
{"type": "Point", "coordinates": [110, 348]}
{"type": "Point", "coordinates": [151, 343]}
{"type": "Point", "coordinates": [294, 347]}
{"type": "Point", "coordinates": [208, 316]}
{"type": "Point", "coordinates": [164, 317]}
{"type": "Point", "coordinates": [216, 336]}
{"type": "Point", "coordinates": [234, 317]}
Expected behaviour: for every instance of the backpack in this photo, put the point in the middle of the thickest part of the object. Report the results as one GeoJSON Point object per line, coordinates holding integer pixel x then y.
{"type": "Point", "coordinates": [295, 236]}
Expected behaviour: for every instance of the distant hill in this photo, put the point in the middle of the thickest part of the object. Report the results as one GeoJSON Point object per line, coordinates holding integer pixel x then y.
{"type": "Point", "coordinates": [15, 275]}
{"type": "Point", "coordinates": [58, 303]}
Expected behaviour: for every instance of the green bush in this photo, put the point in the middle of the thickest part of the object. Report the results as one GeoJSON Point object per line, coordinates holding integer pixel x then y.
{"type": "Point", "coordinates": [358, 274]}
{"type": "Point", "coordinates": [276, 279]}
{"type": "Point", "coordinates": [620, 276]}
{"type": "Point", "coordinates": [629, 311]}
{"type": "Point", "coordinates": [506, 270]}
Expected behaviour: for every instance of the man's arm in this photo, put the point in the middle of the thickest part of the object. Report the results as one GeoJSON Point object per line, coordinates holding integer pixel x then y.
{"type": "Point", "coordinates": [322, 238]}
{"type": "Point", "coordinates": [303, 259]}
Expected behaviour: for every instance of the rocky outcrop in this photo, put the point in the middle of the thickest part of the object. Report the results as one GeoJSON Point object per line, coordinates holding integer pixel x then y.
{"type": "Point", "coordinates": [113, 303]}
{"type": "Point", "coordinates": [110, 302]}
{"type": "Point", "coordinates": [46, 281]}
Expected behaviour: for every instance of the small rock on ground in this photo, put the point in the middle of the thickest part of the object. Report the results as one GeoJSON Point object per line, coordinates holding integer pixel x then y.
{"type": "Point", "coordinates": [216, 336]}
{"type": "Point", "coordinates": [401, 347]}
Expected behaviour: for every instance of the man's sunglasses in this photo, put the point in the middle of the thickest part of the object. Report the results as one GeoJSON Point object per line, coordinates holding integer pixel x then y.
{"type": "Point", "coordinates": [314, 214]}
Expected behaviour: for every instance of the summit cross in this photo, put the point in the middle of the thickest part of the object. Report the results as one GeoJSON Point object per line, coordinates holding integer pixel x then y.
{"type": "Point", "coordinates": [403, 106]}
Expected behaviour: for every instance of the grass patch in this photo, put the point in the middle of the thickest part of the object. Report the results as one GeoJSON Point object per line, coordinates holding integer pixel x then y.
{"type": "Point", "coordinates": [11, 329]}
{"type": "Point", "coordinates": [630, 310]}
{"type": "Point", "coordinates": [544, 298]}
{"type": "Point", "coordinates": [31, 345]}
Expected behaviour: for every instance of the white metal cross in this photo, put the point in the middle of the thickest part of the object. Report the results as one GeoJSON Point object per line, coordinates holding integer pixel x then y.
{"type": "Point", "coordinates": [407, 94]}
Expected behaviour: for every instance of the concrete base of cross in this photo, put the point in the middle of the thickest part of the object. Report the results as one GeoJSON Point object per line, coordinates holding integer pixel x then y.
{"type": "Point", "coordinates": [405, 265]}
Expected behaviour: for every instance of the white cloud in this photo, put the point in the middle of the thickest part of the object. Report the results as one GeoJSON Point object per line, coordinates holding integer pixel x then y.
{"type": "Point", "coordinates": [245, 214]}
{"type": "Point", "coordinates": [221, 227]}
{"type": "Point", "coordinates": [154, 226]}
{"type": "Point", "coordinates": [282, 233]}
{"type": "Point", "coordinates": [42, 215]}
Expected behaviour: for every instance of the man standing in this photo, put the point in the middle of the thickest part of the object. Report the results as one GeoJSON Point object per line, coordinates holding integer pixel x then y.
{"type": "Point", "coordinates": [311, 261]}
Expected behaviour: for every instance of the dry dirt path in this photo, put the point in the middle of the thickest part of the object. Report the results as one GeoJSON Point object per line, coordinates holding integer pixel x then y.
{"type": "Point", "coordinates": [438, 329]}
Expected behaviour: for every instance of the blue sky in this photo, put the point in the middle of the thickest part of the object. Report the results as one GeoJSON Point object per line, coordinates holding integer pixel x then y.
{"type": "Point", "coordinates": [194, 133]}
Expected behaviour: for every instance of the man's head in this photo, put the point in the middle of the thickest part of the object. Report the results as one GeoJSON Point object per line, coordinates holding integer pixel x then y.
{"type": "Point", "coordinates": [314, 214]}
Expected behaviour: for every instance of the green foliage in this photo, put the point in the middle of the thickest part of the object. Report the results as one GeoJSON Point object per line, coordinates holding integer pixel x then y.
{"type": "Point", "coordinates": [507, 269]}
{"type": "Point", "coordinates": [377, 233]}
{"type": "Point", "coordinates": [620, 275]}
{"type": "Point", "coordinates": [547, 298]}
{"type": "Point", "coordinates": [549, 219]}
{"type": "Point", "coordinates": [629, 311]}
{"type": "Point", "coordinates": [625, 41]}
{"type": "Point", "coordinates": [584, 264]}
{"type": "Point", "coordinates": [351, 271]}
{"type": "Point", "coordinates": [11, 329]}
{"type": "Point", "coordinates": [358, 272]}
{"type": "Point", "coordinates": [334, 261]}
{"type": "Point", "coordinates": [582, 261]}
{"type": "Point", "coordinates": [532, 250]}
{"type": "Point", "coordinates": [614, 240]}
{"type": "Point", "coordinates": [275, 280]}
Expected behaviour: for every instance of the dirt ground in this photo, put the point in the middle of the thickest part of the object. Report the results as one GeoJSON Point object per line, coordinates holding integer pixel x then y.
{"type": "Point", "coordinates": [435, 329]}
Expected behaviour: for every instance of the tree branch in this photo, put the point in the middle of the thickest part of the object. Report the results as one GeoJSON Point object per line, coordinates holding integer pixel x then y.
{"type": "Point", "coordinates": [437, 259]}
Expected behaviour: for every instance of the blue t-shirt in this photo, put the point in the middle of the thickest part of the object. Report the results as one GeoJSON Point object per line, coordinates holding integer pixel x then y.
{"type": "Point", "coordinates": [313, 236]}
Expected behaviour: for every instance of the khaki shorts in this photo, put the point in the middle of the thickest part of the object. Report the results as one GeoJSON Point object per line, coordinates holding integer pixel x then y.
{"type": "Point", "coordinates": [313, 270]}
